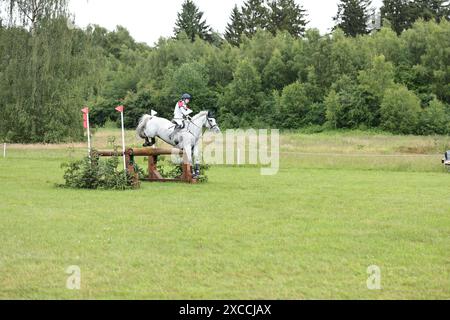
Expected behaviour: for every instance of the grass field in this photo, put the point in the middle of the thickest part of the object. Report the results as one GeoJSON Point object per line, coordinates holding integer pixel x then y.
{"type": "Point", "coordinates": [309, 232]}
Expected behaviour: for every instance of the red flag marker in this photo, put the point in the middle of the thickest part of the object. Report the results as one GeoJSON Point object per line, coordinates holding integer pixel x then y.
{"type": "Point", "coordinates": [120, 108]}
{"type": "Point", "coordinates": [85, 119]}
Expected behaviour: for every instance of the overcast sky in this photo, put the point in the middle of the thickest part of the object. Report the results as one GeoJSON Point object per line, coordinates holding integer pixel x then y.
{"type": "Point", "coordinates": [147, 20]}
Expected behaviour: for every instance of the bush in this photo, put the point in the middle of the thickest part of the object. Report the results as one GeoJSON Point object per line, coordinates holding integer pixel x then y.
{"type": "Point", "coordinates": [93, 173]}
{"type": "Point", "coordinates": [400, 111]}
{"type": "Point", "coordinates": [434, 119]}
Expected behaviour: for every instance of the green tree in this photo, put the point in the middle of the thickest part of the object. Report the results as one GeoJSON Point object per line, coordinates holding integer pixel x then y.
{"type": "Point", "coordinates": [259, 49]}
{"type": "Point", "coordinates": [235, 27]}
{"type": "Point", "coordinates": [53, 73]}
{"type": "Point", "coordinates": [434, 119]}
{"type": "Point", "coordinates": [30, 13]}
{"type": "Point", "coordinates": [387, 43]}
{"type": "Point", "coordinates": [428, 59]}
{"type": "Point", "coordinates": [191, 77]}
{"type": "Point", "coordinates": [378, 78]}
{"type": "Point", "coordinates": [287, 15]}
{"type": "Point", "coordinates": [398, 13]}
{"type": "Point", "coordinates": [373, 84]}
{"type": "Point", "coordinates": [275, 73]}
{"type": "Point", "coordinates": [220, 63]}
{"type": "Point", "coordinates": [118, 41]}
{"type": "Point", "coordinates": [430, 9]}
{"type": "Point", "coordinates": [400, 111]}
{"type": "Point", "coordinates": [241, 102]}
{"type": "Point", "coordinates": [190, 20]}
{"type": "Point", "coordinates": [348, 107]}
{"type": "Point", "coordinates": [436, 60]}
{"type": "Point", "coordinates": [295, 106]}
{"type": "Point", "coordinates": [347, 56]}
{"type": "Point", "coordinates": [255, 15]}
{"type": "Point", "coordinates": [353, 16]}
{"type": "Point", "coordinates": [137, 104]}
{"type": "Point", "coordinates": [333, 106]}
{"type": "Point", "coordinates": [316, 51]}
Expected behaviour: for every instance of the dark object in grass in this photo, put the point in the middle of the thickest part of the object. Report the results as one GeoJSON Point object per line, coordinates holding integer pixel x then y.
{"type": "Point", "coordinates": [446, 159]}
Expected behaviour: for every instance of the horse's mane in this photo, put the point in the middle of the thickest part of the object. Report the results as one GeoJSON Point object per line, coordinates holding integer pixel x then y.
{"type": "Point", "coordinates": [201, 114]}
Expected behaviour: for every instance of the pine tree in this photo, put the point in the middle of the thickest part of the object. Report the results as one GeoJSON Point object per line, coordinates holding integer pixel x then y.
{"type": "Point", "coordinates": [287, 15]}
{"type": "Point", "coordinates": [190, 20]}
{"type": "Point", "coordinates": [255, 15]}
{"type": "Point", "coordinates": [403, 13]}
{"type": "Point", "coordinates": [430, 9]}
{"type": "Point", "coordinates": [398, 12]}
{"type": "Point", "coordinates": [353, 17]}
{"type": "Point", "coordinates": [235, 28]}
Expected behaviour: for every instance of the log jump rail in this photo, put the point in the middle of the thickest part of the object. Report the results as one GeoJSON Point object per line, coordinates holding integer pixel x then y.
{"type": "Point", "coordinates": [152, 154]}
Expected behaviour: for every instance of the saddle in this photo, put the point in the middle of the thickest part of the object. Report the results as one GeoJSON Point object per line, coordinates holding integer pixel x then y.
{"type": "Point", "coordinates": [177, 126]}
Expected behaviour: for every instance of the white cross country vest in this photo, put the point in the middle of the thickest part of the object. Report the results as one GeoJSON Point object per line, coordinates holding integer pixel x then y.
{"type": "Point", "coordinates": [180, 112]}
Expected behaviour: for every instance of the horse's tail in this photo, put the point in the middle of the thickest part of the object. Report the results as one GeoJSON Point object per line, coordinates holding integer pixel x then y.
{"type": "Point", "coordinates": [142, 124]}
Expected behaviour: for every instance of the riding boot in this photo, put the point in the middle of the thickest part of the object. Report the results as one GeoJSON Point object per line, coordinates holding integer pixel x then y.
{"type": "Point", "coordinates": [197, 170]}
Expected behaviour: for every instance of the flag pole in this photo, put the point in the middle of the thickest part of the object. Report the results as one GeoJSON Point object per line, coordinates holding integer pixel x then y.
{"type": "Point", "coordinates": [86, 125]}
{"type": "Point", "coordinates": [123, 143]}
{"type": "Point", "coordinates": [121, 109]}
{"type": "Point", "coordinates": [88, 134]}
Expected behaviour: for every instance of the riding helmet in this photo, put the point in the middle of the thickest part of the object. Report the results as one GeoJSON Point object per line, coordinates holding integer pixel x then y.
{"type": "Point", "coordinates": [186, 96]}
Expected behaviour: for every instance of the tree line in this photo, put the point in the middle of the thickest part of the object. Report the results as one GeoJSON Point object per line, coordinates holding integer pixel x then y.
{"type": "Point", "coordinates": [269, 70]}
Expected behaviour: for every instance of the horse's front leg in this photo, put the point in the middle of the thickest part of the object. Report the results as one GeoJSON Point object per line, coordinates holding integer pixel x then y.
{"type": "Point", "coordinates": [149, 142]}
{"type": "Point", "coordinates": [197, 159]}
{"type": "Point", "coordinates": [187, 155]}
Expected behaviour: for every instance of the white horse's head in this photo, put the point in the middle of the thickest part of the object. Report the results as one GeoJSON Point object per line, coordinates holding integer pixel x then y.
{"type": "Point", "coordinates": [211, 123]}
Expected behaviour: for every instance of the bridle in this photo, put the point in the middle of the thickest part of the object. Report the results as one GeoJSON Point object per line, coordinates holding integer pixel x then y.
{"type": "Point", "coordinates": [211, 127]}
{"type": "Point", "coordinates": [208, 119]}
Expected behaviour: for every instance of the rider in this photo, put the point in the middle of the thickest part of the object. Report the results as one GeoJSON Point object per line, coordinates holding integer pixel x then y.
{"type": "Point", "coordinates": [180, 113]}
